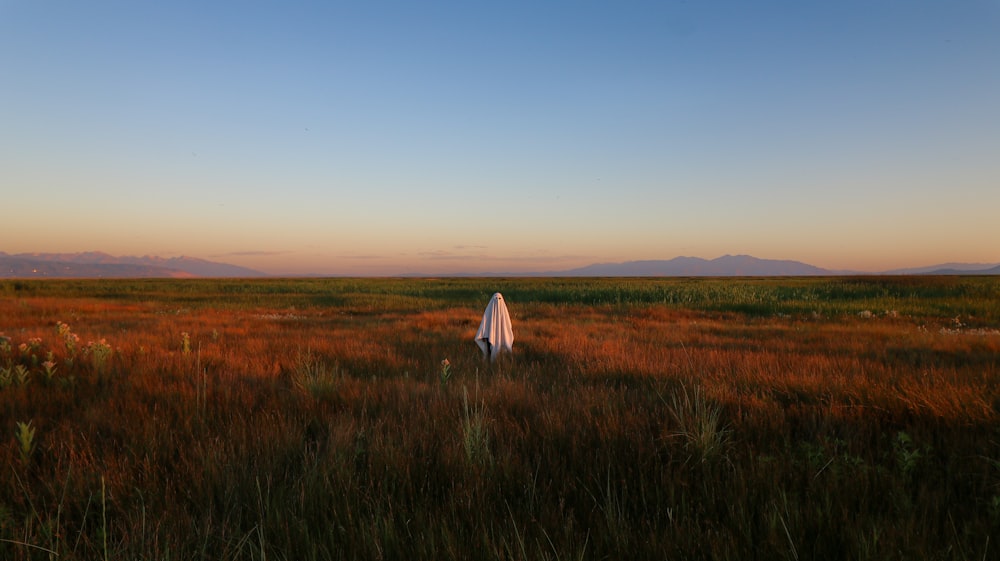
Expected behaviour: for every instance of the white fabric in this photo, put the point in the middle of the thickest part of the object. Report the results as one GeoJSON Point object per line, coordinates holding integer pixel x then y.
{"type": "Point", "coordinates": [495, 328]}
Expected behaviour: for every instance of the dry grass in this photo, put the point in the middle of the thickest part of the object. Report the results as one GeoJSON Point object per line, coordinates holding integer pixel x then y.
{"type": "Point", "coordinates": [309, 421]}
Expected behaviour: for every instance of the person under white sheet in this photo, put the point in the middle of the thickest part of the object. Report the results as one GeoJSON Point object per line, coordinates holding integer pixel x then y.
{"type": "Point", "coordinates": [495, 334]}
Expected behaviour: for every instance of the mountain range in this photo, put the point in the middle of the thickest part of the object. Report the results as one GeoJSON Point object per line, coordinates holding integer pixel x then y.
{"type": "Point", "coordinates": [749, 266]}
{"type": "Point", "coordinates": [102, 265]}
{"type": "Point", "coordinates": [94, 264]}
{"type": "Point", "coordinates": [725, 266]}
{"type": "Point", "coordinates": [737, 266]}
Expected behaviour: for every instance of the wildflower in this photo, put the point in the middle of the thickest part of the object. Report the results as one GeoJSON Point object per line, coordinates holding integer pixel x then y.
{"type": "Point", "coordinates": [445, 371]}
{"type": "Point", "coordinates": [100, 352]}
{"type": "Point", "coordinates": [49, 369]}
{"type": "Point", "coordinates": [69, 338]}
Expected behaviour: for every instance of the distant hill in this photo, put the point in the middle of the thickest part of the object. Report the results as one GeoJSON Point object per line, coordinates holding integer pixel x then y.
{"type": "Point", "coordinates": [725, 266]}
{"type": "Point", "coordinates": [749, 266]}
{"type": "Point", "coordinates": [951, 269]}
{"type": "Point", "coordinates": [102, 265]}
{"type": "Point", "coordinates": [732, 266]}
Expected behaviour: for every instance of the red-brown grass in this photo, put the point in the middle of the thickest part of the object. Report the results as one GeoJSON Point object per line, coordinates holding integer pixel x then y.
{"type": "Point", "coordinates": [641, 430]}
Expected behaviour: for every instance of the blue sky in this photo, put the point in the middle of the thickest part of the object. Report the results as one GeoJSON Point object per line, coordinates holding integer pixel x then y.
{"type": "Point", "coordinates": [392, 137]}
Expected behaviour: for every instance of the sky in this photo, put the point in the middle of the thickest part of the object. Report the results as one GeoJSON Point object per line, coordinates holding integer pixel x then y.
{"type": "Point", "coordinates": [381, 138]}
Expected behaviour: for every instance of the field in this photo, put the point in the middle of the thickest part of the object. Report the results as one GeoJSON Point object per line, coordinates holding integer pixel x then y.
{"type": "Point", "coordinates": [825, 418]}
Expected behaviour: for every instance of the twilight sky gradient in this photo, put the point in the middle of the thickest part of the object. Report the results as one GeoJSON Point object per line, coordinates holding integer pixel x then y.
{"type": "Point", "coordinates": [379, 137]}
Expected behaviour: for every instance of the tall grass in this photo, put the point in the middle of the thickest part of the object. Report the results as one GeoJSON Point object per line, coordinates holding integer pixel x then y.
{"type": "Point", "coordinates": [647, 419]}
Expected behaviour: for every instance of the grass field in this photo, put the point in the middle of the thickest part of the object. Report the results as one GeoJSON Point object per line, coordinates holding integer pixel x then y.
{"type": "Point", "coordinates": [821, 418]}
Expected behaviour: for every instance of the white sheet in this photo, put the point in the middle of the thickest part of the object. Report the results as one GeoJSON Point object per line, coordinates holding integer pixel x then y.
{"type": "Point", "coordinates": [495, 334]}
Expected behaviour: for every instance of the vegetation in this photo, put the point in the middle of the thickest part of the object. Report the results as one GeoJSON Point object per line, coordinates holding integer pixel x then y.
{"type": "Point", "coordinates": [826, 418]}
